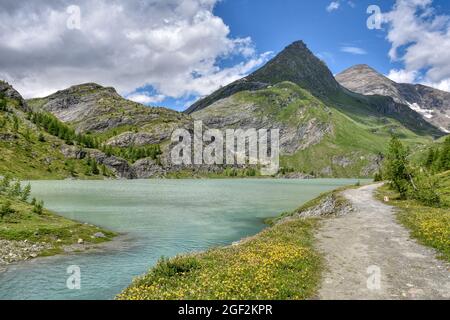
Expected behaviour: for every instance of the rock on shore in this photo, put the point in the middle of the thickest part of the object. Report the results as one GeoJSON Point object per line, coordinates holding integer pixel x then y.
{"type": "Point", "coordinates": [14, 251]}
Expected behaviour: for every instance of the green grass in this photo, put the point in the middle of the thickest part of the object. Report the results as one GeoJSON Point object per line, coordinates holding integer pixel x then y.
{"type": "Point", "coordinates": [24, 224]}
{"type": "Point", "coordinates": [23, 155]}
{"type": "Point", "coordinates": [355, 133]}
{"type": "Point", "coordinates": [430, 226]}
{"type": "Point", "coordinates": [278, 264]}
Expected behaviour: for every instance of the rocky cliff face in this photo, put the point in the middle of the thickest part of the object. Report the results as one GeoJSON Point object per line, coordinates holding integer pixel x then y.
{"type": "Point", "coordinates": [9, 92]}
{"type": "Point", "coordinates": [93, 108]}
{"type": "Point", "coordinates": [432, 104]}
{"type": "Point", "coordinates": [303, 126]}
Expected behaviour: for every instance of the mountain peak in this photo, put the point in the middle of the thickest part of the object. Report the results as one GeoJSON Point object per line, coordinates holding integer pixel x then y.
{"type": "Point", "coordinates": [89, 87]}
{"type": "Point", "coordinates": [296, 63]}
{"type": "Point", "coordinates": [299, 44]}
{"type": "Point", "coordinates": [360, 71]}
{"type": "Point", "coordinates": [364, 79]}
{"type": "Point", "coordinates": [8, 91]}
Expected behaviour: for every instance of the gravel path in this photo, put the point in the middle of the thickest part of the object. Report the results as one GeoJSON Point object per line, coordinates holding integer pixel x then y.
{"type": "Point", "coordinates": [370, 256]}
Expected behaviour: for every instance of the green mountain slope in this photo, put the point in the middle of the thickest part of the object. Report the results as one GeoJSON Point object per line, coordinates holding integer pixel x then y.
{"type": "Point", "coordinates": [91, 108]}
{"type": "Point", "coordinates": [27, 151]}
{"type": "Point", "coordinates": [326, 130]}
{"type": "Point", "coordinates": [297, 64]}
{"type": "Point", "coordinates": [316, 139]}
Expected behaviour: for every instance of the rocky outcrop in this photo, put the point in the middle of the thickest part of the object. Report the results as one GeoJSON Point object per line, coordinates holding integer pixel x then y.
{"type": "Point", "coordinates": [92, 108]}
{"type": "Point", "coordinates": [120, 167]}
{"type": "Point", "coordinates": [296, 175]}
{"type": "Point", "coordinates": [147, 168]}
{"type": "Point", "coordinates": [330, 206]}
{"type": "Point", "coordinates": [138, 139]}
{"type": "Point", "coordinates": [9, 92]}
{"type": "Point", "coordinates": [374, 165]}
{"type": "Point", "coordinates": [73, 152]}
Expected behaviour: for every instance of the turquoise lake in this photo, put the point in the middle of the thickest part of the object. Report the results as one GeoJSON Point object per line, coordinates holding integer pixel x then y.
{"type": "Point", "coordinates": [157, 218]}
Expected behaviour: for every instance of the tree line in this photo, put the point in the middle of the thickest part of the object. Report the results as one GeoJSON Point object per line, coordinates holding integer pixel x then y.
{"type": "Point", "coordinates": [57, 128]}
{"type": "Point", "coordinates": [438, 158]}
{"type": "Point", "coordinates": [12, 189]}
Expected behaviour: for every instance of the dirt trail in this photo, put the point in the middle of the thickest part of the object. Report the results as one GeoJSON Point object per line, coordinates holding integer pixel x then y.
{"type": "Point", "coordinates": [368, 242]}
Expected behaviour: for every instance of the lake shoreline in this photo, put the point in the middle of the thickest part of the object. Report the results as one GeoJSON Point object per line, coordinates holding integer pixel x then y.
{"type": "Point", "coordinates": [143, 212]}
{"type": "Point", "coordinates": [116, 243]}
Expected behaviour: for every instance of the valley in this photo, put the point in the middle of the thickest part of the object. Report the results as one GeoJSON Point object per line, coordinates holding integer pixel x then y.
{"type": "Point", "coordinates": [295, 92]}
{"type": "Point", "coordinates": [96, 157]}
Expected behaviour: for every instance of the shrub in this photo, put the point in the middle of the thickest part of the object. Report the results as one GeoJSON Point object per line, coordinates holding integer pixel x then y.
{"type": "Point", "coordinates": [396, 167]}
{"type": "Point", "coordinates": [6, 209]}
{"type": "Point", "coordinates": [38, 207]}
{"type": "Point", "coordinates": [425, 189]}
{"type": "Point", "coordinates": [378, 177]}
{"type": "Point", "coordinates": [26, 192]}
{"type": "Point", "coordinates": [41, 137]}
{"type": "Point", "coordinates": [171, 267]}
{"type": "Point", "coordinates": [5, 183]}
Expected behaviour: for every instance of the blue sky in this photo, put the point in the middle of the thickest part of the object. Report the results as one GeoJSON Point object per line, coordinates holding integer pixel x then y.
{"type": "Point", "coordinates": [272, 25]}
{"type": "Point", "coordinates": [172, 52]}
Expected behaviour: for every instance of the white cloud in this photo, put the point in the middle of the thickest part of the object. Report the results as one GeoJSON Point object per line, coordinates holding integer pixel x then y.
{"type": "Point", "coordinates": [334, 5]}
{"type": "Point", "coordinates": [420, 38]}
{"type": "Point", "coordinates": [402, 76]}
{"type": "Point", "coordinates": [441, 85]}
{"type": "Point", "coordinates": [354, 50]}
{"type": "Point", "coordinates": [172, 45]}
{"type": "Point", "coordinates": [351, 4]}
{"type": "Point", "coordinates": [145, 98]}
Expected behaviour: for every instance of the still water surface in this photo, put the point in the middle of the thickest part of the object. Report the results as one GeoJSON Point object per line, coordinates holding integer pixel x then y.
{"type": "Point", "coordinates": [158, 218]}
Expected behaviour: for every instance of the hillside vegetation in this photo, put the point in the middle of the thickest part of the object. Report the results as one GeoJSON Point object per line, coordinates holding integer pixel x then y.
{"type": "Point", "coordinates": [29, 152]}
{"type": "Point", "coordinates": [26, 222]}
{"type": "Point", "coordinates": [278, 264]}
{"type": "Point", "coordinates": [421, 191]}
{"type": "Point", "coordinates": [317, 138]}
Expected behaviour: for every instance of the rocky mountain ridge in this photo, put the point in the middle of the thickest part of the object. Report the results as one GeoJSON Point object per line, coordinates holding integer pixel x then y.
{"type": "Point", "coordinates": [432, 104]}
{"type": "Point", "coordinates": [295, 64]}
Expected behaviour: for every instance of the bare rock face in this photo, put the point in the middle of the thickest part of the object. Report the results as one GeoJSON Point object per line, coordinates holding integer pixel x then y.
{"type": "Point", "coordinates": [72, 152]}
{"type": "Point", "coordinates": [120, 167]}
{"type": "Point", "coordinates": [9, 92]}
{"type": "Point", "coordinates": [135, 139]}
{"type": "Point", "coordinates": [92, 108]}
{"type": "Point", "coordinates": [432, 104]}
{"type": "Point", "coordinates": [147, 168]}
{"type": "Point", "coordinates": [230, 113]}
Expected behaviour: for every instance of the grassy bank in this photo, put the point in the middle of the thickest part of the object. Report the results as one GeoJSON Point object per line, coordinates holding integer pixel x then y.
{"type": "Point", "coordinates": [21, 221]}
{"type": "Point", "coordinates": [279, 263]}
{"type": "Point", "coordinates": [430, 226]}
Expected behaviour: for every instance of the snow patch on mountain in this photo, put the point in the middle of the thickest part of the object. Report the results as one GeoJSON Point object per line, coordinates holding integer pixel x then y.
{"type": "Point", "coordinates": [425, 112]}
